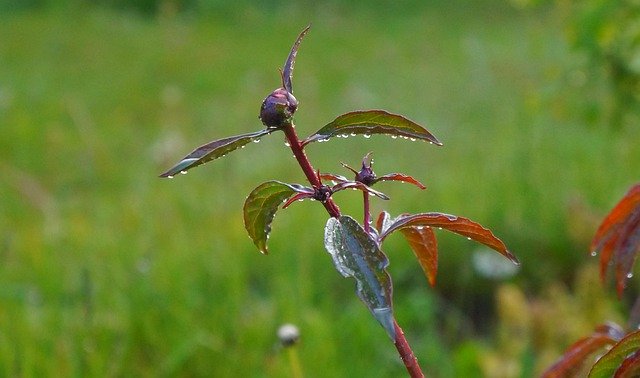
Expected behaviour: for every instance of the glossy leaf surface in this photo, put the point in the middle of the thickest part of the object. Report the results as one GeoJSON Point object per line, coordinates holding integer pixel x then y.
{"type": "Point", "coordinates": [213, 150]}
{"type": "Point", "coordinates": [607, 365]}
{"type": "Point", "coordinates": [578, 354]}
{"type": "Point", "coordinates": [458, 225]}
{"type": "Point", "coordinates": [425, 246]}
{"type": "Point", "coordinates": [355, 254]}
{"type": "Point", "coordinates": [630, 367]}
{"type": "Point", "coordinates": [287, 71]}
{"type": "Point", "coordinates": [618, 238]}
{"type": "Point", "coordinates": [260, 208]}
{"type": "Point", "coordinates": [368, 122]}
{"type": "Point", "coordinates": [400, 177]}
{"type": "Point", "coordinates": [359, 186]}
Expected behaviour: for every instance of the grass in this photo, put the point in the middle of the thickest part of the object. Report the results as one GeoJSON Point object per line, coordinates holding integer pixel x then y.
{"type": "Point", "coordinates": [107, 270]}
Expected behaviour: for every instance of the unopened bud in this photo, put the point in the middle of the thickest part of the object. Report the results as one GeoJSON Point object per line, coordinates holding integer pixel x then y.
{"type": "Point", "coordinates": [278, 108]}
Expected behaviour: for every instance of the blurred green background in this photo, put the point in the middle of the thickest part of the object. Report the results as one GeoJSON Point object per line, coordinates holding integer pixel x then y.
{"type": "Point", "coordinates": [106, 270]}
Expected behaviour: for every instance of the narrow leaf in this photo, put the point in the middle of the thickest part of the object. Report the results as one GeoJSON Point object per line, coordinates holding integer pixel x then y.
{"type": "Point", "coordinates": [298, 197]}
{"type": "Point", "coordinates": [368, 122]}
{"type": "Point", "coordinates": [400, 177]}
{"type": "Point", "coordinates": [333, 177]}
{"type": "Point", "coordinates": [355, 254]}
{"type": "Point", "coordinates": [382, 222]}
{"type": "Point", "coordinates": [626, 250]}
{"type": "Point", "coordinates": [359, 186]}
{"type": "Point", "coordinates": [287, 71]}
{"type": "Point", "coordinates": [577, 355]}
{"type": "Point", "coordinates": [607, 365]}
{"type": "Point", "coordinates": [213, 150]}
{"type": "Point", "coordinates": [630, 367]}
{"type": "Point", "coordinates": [617, 216]}
{"type": "Point", "coordinates": [260, 208]}
{"type": "Point", "coordinates": [425, 246]}
{"type": "Point", "coordinates": [459, 225]}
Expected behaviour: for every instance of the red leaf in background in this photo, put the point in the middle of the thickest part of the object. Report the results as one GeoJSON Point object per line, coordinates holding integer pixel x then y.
{"type": "Point", "coordinates": [576, 355]}
{"type": "Point", "coordinates": [425, 246]}
{"type": "Point", "coordinates": [618, 237]}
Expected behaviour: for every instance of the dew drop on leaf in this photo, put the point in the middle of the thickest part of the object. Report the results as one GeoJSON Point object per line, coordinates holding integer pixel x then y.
{"type": "Point", "coordinates": [286, 143]}
{"type": "Point", "coordinates": [183, 172]}
{"type": "Point", "coordinates": [468, 238]}
{"type": "Point", "coordinates": [412, 139]}
{"type": "Point", "coordinates": [170, 177]}
{"type": "Point", "coordinates": [594, 253]}
{"type": "Point", "coordinates": [367, 136]}
{"type": "Point", "coordinates": [629, 275]}
{"type": "Point", "coordinates": [257, 140]}
{"type": "Point", "coordinates": [394, 137]}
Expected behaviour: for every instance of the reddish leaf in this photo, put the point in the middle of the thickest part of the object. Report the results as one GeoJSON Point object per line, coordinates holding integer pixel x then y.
{"type": "Point", "coordinates": [368, 122]}
{"type": "Point", "coordinates": [360, 186]}
{"type": "Point", "coordinates": [577, 354]}
{"type": "Point", "coordinates": [630, 367]}
{"type": "Point", "coordinates": [400, 177]}
{"type": "Point", "coordinates": [298, 197]}
{"type": "Point", "coordinates": [424, 245]}
{"type": "Point", "coordinates": [287, 71]}
{"type": "Point", "coordinates": [383, 221]}
{"type": "Point", "coordinates": [332, 177]}
{"type": "Point", "coordinates": [213, 150]}
{"type": "Point", "coordinates": [459, 225]}
{"type": "Point", "coordinates": [607, 365]}
{"type": "Point", "coordinates": [618, 238]}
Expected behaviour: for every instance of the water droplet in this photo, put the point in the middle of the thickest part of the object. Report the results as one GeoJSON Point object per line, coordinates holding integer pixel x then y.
{"type": "Point", "coordinates": [312, 199]}
{"type": "Point", "coordinates": [629, 275]}
{"type": "Point", "coordinates": [170, 177]}
{"type": "Point", "coordinates": [243, 146]}
{"type": "Point", "coordinates": [594, 253]}
{"type": "Point", "coordinates": [412, 139]}
{"type": "Point", "coordinates": [257, 140]}
{"type": "Point", "coordinates": [439, 228]}
{"type": "Point", "coordinates": [286, 143]}
{"type": "Point", "coordinates": [353, 134]}
{"type": "Point", "coordinates": [394, 137]}
{"type": "Point", "coordinates": [430, 142]}
{"type": "Point", "coordinates": [468, 238]}
{"type": "Point", "coordinates": [419, 227]}
{"type": "Point", "coordinates": [367, 136]}
{"type": "Point", "coordinates": [183, 172]}
{"type": "Point", "coordinates": [300, 200]}
{"type": "Point", "coordinates": [371, 194]}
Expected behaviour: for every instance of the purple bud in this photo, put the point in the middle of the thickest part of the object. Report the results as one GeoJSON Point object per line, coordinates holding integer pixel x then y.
{"type": "Point", "coordinates": [278, 108]}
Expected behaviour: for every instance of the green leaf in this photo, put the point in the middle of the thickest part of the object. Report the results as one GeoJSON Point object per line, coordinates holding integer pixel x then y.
{"type": "Point", "coordinates": [214, 150]}
{"type": "Point", "coordinates": [287, 71]}
{"type": "Point", "coordinates": [368, 122]}
{"type": "Point", "coordinates": [355, 254]}
{"type": "Point", "coordinates": [607, 365]}
{"type": "Point", "coordinates": [459, 225]}
{"type": "Point", "coordinates": [260, 208]}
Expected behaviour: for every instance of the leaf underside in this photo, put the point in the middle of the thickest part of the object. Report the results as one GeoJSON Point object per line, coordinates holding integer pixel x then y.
{"type": "Point", "coordinates": [213, 150]}
{"type": "Point", "coordinates": [260, 208]}
{"type": "Point", "coordinates": [287, 71]}
{"type": "Point", "coordinates": [618, 238]}
{"type": "Point", "coordinates": [607, 365]}
{"type": "Point", "coordinates": [400, 177]}
{"type": "Point", "coordinates": [368, 122]}
{"type": "Point", "coordinates": [355, 254]}
{"type": "Point", "coordinates": [578, 354]}
{"type": "Point", "coordinates": [425, 246]}
{"type": "Point", "coordinates": [458, 225]}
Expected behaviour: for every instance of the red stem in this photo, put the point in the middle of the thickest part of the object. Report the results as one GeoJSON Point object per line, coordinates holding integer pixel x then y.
{"type": "Point", "coordinates": [367, 213]}
{"type": "Point", "coordinates": [401, 343]}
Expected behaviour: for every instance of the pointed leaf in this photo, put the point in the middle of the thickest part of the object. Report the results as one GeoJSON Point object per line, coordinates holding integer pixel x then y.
{"type": "Point", "coordinates": [607, 365]}
{"type": "Point", "coordinates": [577, 354]}
{"type": "Point", "coordinates": [383, 221]}
{"type": "Point", "coordinates": [287, 71]}
{"type": "Point", "coordinates": [400, 177]}
{"type": "Point", "coordinates": [260, 208]}
{"type": "Point", "coordinates": [424, 245]}
{"type": "Point", "coordinates": [355, 254]}
{"type": "Point", "coordinates": [359, 186]}
{"type": "Point", "coordinates": [459, 225]}
{"type": "Point", "coordinates": [368, 122]}
{"type": "Point", "coordinates": [333, 177]}
{"type": "Point", "coordinates": [298, 197]}
{"type": "Point", "coordinates": [617, 216]}
{"type": "Point", "coordinates": [213, 150]}
{"type": "Point", "coordinates": [626, 250]}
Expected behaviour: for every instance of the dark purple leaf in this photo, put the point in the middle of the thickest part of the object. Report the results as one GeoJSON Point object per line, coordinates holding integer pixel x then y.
{"type": "Point", "coordinates": [368, 122]}
{"type": "Point", "coordinates": [214, 150]}
{"type": "Point", "coordinates": [287, 71]}
{"type": "Point", "coordinates": [356, 254]}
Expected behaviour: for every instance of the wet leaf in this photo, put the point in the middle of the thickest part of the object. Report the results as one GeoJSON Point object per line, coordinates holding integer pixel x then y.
{"type": "Point", "coordinates": [359, 186]}
{"type": "Point", "coordinates": [214, 150]}
{"type": "Point", "coordinates": [399, 177]}
{"type": "Point", "coordinates": [578, 354]}
{"type": "Point", "coordinates": [368, 122]}
{"type": "Point", "coordinates": [630, 367]}
{"type": "Point", "coordinates": [287, 71]}
{"type": "Point", "coordinates": [607, 365]}
{"type": "Point", "coordinates": [355, 254]}
{"type": "Point", "coordinates": [260, 208]}
{"type": "Point", "coordinates": [458, 225]}
{"type": "Point", "coordinates": [618, 238]}
{"type": "Point", "coordinates": [424, 245]}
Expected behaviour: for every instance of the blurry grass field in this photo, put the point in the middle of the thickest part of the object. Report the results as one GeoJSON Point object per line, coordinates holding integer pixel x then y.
{"type": "Point", "coordinates": [107, 270]}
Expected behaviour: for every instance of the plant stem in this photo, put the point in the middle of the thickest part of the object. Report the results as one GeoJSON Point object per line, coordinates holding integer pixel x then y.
{"type": "Point", "coordinates": [367, 212]}
{"type": "Point", "coordinates": [401, 343]}
{"type": "Point", "coordinates": [307, 168]}
{"type": "Point", "coordinates": [409, 359]}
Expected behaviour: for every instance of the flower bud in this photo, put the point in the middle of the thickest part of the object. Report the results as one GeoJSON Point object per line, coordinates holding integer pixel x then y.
{"type": "Point", "coordinates": [366, 174]}
{"type": "Point", "coordinates": [278, 108]}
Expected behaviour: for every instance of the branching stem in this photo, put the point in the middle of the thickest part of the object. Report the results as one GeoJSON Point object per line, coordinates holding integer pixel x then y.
{"type": "Point", "coordinates": [402, 345]}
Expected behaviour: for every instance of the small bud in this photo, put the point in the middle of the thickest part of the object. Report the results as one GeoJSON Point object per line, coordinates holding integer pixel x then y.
{"type": "Point", "coordinates": [366, 174]}
{"type": "Point", "coordinates": [278, 108]}
{"type": "Point", "coordinates": [288, 334]}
